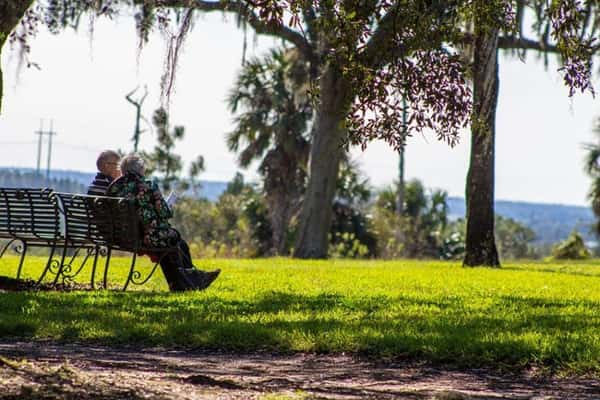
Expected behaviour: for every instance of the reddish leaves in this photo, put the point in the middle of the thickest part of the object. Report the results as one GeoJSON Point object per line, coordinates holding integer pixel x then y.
{"type": "Point", "coordinates": [436, 95]}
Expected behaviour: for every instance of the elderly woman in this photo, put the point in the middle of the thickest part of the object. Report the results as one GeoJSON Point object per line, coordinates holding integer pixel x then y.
{"type": "Point", "coordinates": [157, 232]}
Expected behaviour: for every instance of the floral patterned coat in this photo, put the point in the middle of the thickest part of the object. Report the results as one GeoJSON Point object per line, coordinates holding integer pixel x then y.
{"type": "Point", "coordinates": [152, 208]}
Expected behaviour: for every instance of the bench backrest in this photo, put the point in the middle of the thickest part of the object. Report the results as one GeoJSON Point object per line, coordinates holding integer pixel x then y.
{"type": "Point", "coordinates": [28, 214]}
{"type": "Point", "coordinates": [101, 220]}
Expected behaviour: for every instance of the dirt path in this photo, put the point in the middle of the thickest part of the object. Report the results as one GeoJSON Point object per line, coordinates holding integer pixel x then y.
{"type": "Point", "coordinates": [68, 371]}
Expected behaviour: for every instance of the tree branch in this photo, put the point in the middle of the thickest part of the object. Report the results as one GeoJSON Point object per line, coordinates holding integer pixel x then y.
{"type": "Point", "coordinates": [244, 10]}
{"type": "Point", "coordinates": [521, 43]}
{"type": "Point", "coordinates": [511, 43]}
{"type": "Point", "coordinates": [380, 40]}
{"type": "Point", "coordinates": [382, 47]}
{"type": "Point", "coordinates": [310, 16]}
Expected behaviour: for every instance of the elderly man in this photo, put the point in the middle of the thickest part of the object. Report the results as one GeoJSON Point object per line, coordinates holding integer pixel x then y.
{"type": "Point", "coordinates": [154, 213]}
{"type": "Point", "coordinates": [108, 170]}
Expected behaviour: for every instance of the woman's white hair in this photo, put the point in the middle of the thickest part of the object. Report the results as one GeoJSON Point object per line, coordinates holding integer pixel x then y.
{"type": "Point", "coordinates": [132, 164]}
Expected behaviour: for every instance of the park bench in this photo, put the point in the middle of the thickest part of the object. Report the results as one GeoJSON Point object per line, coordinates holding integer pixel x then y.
{"type": "Point", "coordinates": [72, 225]}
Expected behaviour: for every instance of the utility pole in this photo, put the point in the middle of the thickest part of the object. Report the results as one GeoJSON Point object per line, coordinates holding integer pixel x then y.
{"type": "Point", "coordinates": [400, 199]}
{"type": "Point", "coordinates": [40, 134]}
{"type": "Point", "coordinates": [400, 196]}
{"type": "Point", "coordinates": [50, 133]}
{"type": "Point", "coordinates": [400, 193]}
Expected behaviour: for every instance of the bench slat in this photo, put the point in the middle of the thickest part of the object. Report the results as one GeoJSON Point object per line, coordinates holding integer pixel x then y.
{"type": "Point", "coordinates": [100, 219]}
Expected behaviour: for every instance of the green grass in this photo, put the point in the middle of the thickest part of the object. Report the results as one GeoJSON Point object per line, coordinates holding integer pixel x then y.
{"type": "Point", "coordinates": [525, 314]}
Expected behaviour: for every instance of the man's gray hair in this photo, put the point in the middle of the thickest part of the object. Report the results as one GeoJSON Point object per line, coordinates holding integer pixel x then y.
{"type": "Point", "coordinates": [132, 164]}
{"type": "Point", "coordinates": [105, 157]}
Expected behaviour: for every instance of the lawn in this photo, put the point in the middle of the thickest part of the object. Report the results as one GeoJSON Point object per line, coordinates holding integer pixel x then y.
{"type": "Point", "coordinates": [525, 314]}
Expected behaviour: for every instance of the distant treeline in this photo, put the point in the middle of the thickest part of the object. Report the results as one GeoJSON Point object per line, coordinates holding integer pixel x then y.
{"type": "Point", "coordinates": [210, 190]}
{"type": "Point", "coordinates": [32, 179]}
{"type": "Point", "coordinates": [551, 222]}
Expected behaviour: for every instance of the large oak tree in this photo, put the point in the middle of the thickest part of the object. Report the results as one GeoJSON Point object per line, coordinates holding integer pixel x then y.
{"type": "Point", "coordinates": [567, 29]}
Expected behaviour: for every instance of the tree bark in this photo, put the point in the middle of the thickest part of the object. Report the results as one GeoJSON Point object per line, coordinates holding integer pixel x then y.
{"type": "Point", "coordinates": [11, 12]}
{"type": "Point", "coordinates": [2, 41]}
{"type": "Point", "coordinates": [480, 241]}
{"type": "Point", "coordinates": [325, 156]}
{"type": "Point", "coordinates": [280, 213]}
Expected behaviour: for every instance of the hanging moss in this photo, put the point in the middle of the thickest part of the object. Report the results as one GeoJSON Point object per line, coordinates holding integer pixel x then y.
{"type": "Point", "coordinates": [11, 12]}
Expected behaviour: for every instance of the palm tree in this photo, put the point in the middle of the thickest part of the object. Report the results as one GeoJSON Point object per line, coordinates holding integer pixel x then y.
{"type": "Point", "coordinates": [270, 98]}
{"type": "Point", "coordinates": [423, 220]}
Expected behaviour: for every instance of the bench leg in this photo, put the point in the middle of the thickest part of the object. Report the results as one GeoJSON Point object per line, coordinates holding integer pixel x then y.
{"type": "Point", "coordinates": [105, 282]}
{"type": "Point", "coordinates": [96, 250]}
{"type": "Point", "coordinates": [61, 266]}
{"type": "Point", "coordinates": [6, 246]}
{"type": "Point", "coordinates": [48, 265]}
{"type": "Point", "coordinates": [23, 252]}
{"type": "Point", "coordinates": [20, 248]}
{"type": "Point", "coordinates": [132, 271]}
{"type": "Point", "coordinates": [68, 275]}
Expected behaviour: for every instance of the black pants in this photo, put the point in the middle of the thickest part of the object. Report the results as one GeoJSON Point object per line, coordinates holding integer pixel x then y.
{"type": "Point", "coordinates": [172, 262]}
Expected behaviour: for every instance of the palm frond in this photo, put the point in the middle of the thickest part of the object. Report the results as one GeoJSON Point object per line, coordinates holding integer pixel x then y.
{"type": "Point", "coordinates": [592, 159]}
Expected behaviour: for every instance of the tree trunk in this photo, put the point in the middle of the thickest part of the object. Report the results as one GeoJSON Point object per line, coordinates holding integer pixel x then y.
{"type": "Point", "coordinates": [325, 156]}
{"type": "Point", "coordinates": [480, 241]}
{"type": "Point", "coordinates": [279, 225]}
{"type": "Point", "coordinates": [2, 41]}
{"type": "Point", "coordinates": [11, 12]}
{"type": "Point", "coordinates": [280, 213]}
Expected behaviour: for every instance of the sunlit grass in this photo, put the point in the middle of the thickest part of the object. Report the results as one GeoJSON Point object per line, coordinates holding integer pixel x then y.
{"type": "Point", "coordinates": [543, 314]}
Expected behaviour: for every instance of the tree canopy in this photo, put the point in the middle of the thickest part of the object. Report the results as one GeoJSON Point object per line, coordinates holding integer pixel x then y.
{"type": "Point", "coordinates": [387, 49]}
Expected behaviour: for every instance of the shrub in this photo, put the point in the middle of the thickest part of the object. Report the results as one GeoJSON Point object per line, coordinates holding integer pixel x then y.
{"type": "Point", "coordinates": [573, 248]}
{"type": "Point", "coordinates": [234, 226]}
{"type": "Point", "coordinates": [419, 231]}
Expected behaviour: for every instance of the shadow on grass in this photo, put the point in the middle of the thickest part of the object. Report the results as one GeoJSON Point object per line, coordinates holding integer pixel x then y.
{"type": "Point", "coordinates": [513, 332]}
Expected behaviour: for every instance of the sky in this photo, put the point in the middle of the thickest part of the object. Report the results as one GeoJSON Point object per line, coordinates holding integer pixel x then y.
{"type": "Point", "coordinates": [83, 78]}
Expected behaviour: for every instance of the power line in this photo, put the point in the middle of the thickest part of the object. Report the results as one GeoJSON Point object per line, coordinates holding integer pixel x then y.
{"type": "Point", "coordinates": [17, 143]}
{"type": "Point", "coordinates": [55, 143]}
{"type": "Point", "coordinates": [85, 148]}
{"type": "Point", "coordinates": [42, 133]}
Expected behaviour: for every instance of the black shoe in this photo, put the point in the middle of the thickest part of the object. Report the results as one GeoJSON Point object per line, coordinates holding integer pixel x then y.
{"type": "Point", "coordinates": [182, 282]}
{"type": "Point", "coordinates": [205, 279]}
{"type": "Point", "coordinates": [194, 279]}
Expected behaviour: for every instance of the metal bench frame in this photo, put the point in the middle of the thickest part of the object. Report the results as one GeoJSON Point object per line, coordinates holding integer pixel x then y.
{"type": "Point", "coordinates": [67, 222]}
